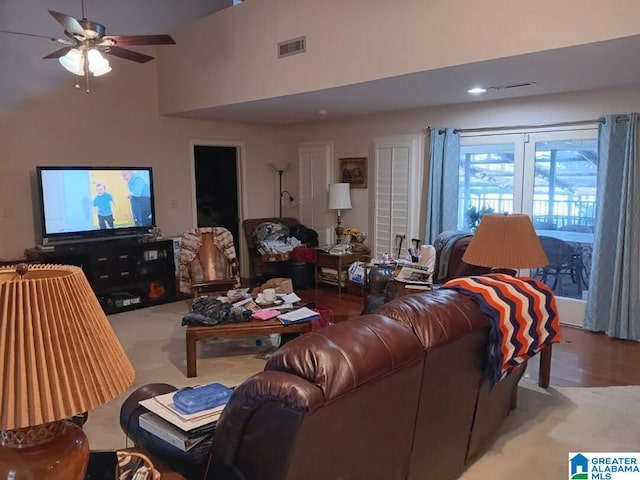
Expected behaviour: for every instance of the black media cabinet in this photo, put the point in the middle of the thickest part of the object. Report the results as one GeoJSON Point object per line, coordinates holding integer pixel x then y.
{"type": "Point", "coordinates": [125, 274]}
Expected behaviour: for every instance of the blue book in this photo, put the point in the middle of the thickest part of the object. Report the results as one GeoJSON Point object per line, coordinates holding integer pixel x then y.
{"type": "Point", "coordinates": [190, 400]}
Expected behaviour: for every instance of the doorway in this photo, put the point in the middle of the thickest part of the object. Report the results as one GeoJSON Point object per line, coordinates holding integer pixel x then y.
{"type": "Point", "coordinates": [217, 182]}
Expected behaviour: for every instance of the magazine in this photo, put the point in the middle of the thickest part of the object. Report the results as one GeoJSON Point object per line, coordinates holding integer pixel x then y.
{"type": "Point", "coordinates": [415, 274]}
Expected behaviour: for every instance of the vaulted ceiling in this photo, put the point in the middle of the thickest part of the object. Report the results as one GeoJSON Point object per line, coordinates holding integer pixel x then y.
{"type": "Point", "coordinates": [25, 74]}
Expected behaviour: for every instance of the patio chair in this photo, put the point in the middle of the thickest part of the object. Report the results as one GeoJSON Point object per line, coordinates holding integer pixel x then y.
{"type": "Point", "coordinates": [563, 260]}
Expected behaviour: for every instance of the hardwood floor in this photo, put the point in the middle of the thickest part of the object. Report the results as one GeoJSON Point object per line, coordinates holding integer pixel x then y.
{"type": "Point", "coordinates": [581, 359]}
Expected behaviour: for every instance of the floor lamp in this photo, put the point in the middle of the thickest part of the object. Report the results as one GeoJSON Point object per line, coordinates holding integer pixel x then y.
{"type": "Point", "coordinates": [506, 243]}
{"type": "Point", "coordinates": [280, 168]}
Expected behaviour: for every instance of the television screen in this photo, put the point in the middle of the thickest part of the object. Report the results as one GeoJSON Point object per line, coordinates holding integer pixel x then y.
{"type": "Point", "coordinates": [86, 202]}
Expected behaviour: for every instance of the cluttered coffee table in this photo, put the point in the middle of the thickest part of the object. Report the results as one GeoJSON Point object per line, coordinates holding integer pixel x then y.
{"type": "Point", "coordinates": [264, 312]}
{"type": "Point", "coordinates": [253, 327]}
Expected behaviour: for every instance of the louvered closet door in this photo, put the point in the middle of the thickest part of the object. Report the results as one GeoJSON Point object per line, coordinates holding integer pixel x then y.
{"type": "Point", "coordinates": [392, 197]}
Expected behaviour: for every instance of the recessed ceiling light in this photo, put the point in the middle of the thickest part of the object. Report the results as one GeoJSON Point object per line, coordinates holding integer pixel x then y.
{"type": "Point", "coordinates": [476, 90]}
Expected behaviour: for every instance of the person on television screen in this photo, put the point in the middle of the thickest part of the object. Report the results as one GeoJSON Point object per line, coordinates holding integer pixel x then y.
{"type": "Point", "coordinates": [103, 206]}
{"type": "Point", "coordinates": [139, 196]}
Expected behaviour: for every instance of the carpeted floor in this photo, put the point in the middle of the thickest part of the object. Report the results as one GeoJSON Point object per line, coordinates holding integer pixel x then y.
{"type": "Point", "coordinates": [533, 443]}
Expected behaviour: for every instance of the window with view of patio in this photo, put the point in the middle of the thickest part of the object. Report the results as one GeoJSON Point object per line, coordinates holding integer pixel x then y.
{"type": "Point", "coordinates": [550, 175]}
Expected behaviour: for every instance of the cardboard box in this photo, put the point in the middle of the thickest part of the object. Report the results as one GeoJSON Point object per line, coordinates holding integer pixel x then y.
{"type": "Point", "coordinates": [282, 285]}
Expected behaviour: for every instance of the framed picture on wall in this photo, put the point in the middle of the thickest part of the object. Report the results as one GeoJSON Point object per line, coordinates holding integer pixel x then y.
{"type": "Point", "coordinates": [354, 171]}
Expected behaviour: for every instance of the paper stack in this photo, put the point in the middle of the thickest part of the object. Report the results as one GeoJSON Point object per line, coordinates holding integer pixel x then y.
{"type": "Point", "coordinates": [303, 314]}
{"type": "Point", "coordinates": [164, 430]}
{"type": "Point", "coordinates": [163, 406]}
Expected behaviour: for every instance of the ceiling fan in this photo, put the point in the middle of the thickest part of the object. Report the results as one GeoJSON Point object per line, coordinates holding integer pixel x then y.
{"type": "Point", "coordinates": [86, 41]}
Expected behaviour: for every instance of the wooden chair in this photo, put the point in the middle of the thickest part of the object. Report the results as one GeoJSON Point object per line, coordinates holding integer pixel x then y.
{"type": "Point", "coordinates": [211, 271]}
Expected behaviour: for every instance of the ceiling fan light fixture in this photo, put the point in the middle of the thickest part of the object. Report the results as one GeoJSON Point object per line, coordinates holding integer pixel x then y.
{"type": "Point", "coordinates": [73, 61]}
{"type": "Point", "coordinates": [103, 70]}
{"type": "Point", "coordinates": [98, 65]}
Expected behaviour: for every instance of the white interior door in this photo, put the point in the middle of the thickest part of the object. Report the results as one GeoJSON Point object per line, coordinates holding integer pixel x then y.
{"type": "Point", "coordinates": [315, 169]}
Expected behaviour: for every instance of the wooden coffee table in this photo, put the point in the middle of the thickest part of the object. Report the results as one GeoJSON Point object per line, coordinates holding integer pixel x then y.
{"type": "Point", "coordinates": [244, 329]}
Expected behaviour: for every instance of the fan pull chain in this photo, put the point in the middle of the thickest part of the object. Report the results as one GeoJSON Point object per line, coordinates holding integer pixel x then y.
{"type": "Point", "coordinates": [86, 78]}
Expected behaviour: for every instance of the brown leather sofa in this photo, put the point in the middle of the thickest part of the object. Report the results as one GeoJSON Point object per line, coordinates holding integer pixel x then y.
{"type": "Point", "coordinates": [397, 395]}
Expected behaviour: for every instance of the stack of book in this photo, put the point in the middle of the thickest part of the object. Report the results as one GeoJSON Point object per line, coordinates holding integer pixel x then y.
{"type": "Point", "coordinates": [178, 428]}
{"type": "Point", "coordinates": [330, 275]}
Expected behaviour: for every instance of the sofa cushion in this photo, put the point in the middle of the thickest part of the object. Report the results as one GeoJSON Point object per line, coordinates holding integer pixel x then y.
{"type": "Point", "coordinates": [347, 355]}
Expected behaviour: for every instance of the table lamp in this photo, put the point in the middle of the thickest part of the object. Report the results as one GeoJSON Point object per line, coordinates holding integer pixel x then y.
{"type": "Point", "coordinates": [339, 199]}
{"type": "Point", "coordinates": [59, 357]}
{"type": "Point", "coordinates": [505, 243]}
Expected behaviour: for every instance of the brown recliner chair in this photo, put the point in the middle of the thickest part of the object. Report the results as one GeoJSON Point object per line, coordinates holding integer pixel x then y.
{"type": "Point", "coordinates": [450, 246]}
{"type": "Point", "coordinates": [260, 270]}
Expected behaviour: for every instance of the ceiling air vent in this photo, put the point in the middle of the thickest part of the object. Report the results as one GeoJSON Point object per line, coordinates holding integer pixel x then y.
{"type": "Point", "coordinates": [515, 85]}
{"type": "Point", "coordinates": [292, 47]}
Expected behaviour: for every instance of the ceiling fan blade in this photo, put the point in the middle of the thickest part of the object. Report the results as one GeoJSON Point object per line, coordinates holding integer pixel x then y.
{"type": "Point", "coordinates": [128, 40]}
{"type": "Point", "coordinates": [128, 54]}
{"type": "Point", "coordinates": [69, 23]}
{"type": "Point", "coordinates": [30, 35]}
{"type": "Point", "coordinates": [58, 53]}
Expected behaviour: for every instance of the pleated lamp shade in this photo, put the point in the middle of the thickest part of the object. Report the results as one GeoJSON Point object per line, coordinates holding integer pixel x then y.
{"type": "Point", "coordinates": [505, 241]}
{"type": "Point", "coordinates": [59, 356]}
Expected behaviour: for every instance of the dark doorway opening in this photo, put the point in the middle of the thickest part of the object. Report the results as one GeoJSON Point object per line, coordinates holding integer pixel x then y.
{"type": "Point", "coordinates": [216, 180]}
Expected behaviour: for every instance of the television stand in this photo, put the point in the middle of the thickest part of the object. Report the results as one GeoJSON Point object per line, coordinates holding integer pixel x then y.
{"type": "Point", "coordinates": [124, 273]}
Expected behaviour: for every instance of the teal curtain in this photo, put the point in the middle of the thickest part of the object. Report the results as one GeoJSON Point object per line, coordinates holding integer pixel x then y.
{"type": "Point", "coordinates": [613, 303]}
{"type": "Point", "coordinates": [442, 195]}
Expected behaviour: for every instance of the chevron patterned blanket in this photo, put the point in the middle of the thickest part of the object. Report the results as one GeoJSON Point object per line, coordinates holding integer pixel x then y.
{"type": "Point", "coordinates": [523, 316]}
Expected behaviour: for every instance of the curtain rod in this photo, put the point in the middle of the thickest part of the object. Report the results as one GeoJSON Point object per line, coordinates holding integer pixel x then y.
{"type": "Point", "coordinates": [523, 127]}
{"type": "Point", "coordinates": [619, 118]}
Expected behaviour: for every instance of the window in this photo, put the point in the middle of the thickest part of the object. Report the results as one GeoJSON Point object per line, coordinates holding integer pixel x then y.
{"type": "Point", "coordinates": [552, 176]}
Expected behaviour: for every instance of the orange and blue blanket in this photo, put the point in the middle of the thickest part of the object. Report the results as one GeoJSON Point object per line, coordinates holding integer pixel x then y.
{"type": "Point", "coordinates": [522, 313]}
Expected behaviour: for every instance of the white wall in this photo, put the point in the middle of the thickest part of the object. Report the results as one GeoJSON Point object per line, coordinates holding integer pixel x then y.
{"type": "Point", "coordinates": [118, 124]}
{"type": "Point", "coordinates": [230, 57]}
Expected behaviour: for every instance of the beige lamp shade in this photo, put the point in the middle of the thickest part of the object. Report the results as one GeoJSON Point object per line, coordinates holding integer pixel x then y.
{"type": "Point", "coordinates": [339, 198]}
{"type": "Point", "coordinates": [59, 355]}
{"type": "Point", "coordinates": [505, 241]}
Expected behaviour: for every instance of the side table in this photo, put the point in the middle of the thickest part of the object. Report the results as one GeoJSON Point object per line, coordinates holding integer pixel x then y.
{"type": "Point", "coordinates": [340, 263]}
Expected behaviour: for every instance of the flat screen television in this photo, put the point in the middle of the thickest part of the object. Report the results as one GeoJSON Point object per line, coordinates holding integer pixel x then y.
{"type": "Point", "coordinates": [90, 203]}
